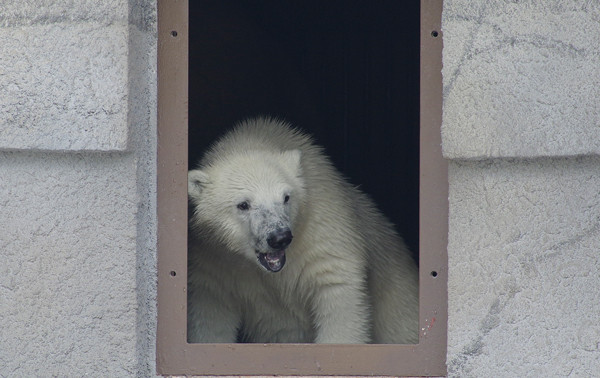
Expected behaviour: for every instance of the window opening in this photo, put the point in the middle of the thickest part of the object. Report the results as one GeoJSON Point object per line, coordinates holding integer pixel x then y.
{"type": "Point", "coordinates": [316, 95]}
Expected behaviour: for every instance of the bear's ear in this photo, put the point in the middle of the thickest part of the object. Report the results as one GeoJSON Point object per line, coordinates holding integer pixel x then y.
{"type": "Point", "coordinates": [197, 180]}
{"type": "Point", "coordinates": [291, 158]}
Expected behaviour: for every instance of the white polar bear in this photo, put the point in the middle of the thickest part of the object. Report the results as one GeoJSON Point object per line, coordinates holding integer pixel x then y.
{"type": "Point", "coordinates": [283, 250]}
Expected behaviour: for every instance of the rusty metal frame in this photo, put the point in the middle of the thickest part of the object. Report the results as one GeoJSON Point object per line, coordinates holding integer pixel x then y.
{"type": "Point", "coordinates": [174, 355]}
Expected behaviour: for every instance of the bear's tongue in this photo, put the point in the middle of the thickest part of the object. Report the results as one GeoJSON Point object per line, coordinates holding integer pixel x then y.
{"type": "Point", "coordinates": [273, 261]}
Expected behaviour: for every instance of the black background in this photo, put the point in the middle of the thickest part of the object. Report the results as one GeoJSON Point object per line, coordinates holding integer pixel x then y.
{"type": "Point", "coordinates": [346, 72]}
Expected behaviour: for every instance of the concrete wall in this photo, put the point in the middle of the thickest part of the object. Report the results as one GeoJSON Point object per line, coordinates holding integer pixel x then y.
{"type": "Point", "coordinates": [77, 187]}
{"type": "Point", "coordinates": [521, 128]}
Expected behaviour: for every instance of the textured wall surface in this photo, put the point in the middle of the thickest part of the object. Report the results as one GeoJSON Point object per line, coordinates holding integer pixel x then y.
{"type": "Point", "coordinates": [523, 263]}
{"type": "Point", "coordinates": [77, 225]}
{"type": "Point", "coordinates": [67, 287]}
{"type": "Point", "coordinates": [525, 76]}
{"type": "Point", "coordinates": [64, 75]}
{"type": "Point", "coordinates": [521, 89]}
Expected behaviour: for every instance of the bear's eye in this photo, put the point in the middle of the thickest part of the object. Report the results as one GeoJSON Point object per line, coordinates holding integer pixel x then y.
{"type": "Point", "coordinates": [286, 198]}
{"type": "Point", "coordinates": [243, 205]}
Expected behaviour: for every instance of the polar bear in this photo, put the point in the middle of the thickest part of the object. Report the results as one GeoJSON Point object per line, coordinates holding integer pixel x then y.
{"type": "Point", "coordinates": [283, 250]}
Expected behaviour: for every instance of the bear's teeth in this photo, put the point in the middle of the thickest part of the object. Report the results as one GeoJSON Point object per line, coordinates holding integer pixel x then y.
{"type": "Point", "coordinates": [273, 261]}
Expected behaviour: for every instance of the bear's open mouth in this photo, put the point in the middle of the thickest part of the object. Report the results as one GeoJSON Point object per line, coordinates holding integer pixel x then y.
{"type": "Point", "coordinates": [272, 261]}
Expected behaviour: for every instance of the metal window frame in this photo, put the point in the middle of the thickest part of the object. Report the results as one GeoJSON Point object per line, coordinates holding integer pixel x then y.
{"type": "Point", "coordinates": [174, 355]}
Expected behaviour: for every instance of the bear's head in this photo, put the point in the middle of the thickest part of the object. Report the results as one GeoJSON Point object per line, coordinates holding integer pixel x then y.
{"type": "Point", "coordinates": [249, 202]}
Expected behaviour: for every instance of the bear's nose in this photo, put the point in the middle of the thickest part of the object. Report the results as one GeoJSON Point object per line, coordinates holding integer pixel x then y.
{"type": "Point", "coordinates": [280, 239]}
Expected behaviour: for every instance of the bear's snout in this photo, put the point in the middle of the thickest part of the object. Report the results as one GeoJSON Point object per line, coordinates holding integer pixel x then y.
{"type": "Point", "coordinates": [280, 238]}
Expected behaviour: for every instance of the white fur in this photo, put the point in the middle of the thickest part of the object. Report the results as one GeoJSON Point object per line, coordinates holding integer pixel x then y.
{"type": "Point", "coordinates": [348, 277]}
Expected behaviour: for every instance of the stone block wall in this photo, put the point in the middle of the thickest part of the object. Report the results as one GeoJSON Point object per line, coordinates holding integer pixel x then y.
{"type": "Point", "coordinates": [521, 130]}
{"type": "Point", "coordinates": [77, 187]}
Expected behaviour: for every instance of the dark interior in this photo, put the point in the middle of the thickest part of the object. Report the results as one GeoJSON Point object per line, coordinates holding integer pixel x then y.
{"type": "Point", "coordinates": [345, 71]}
